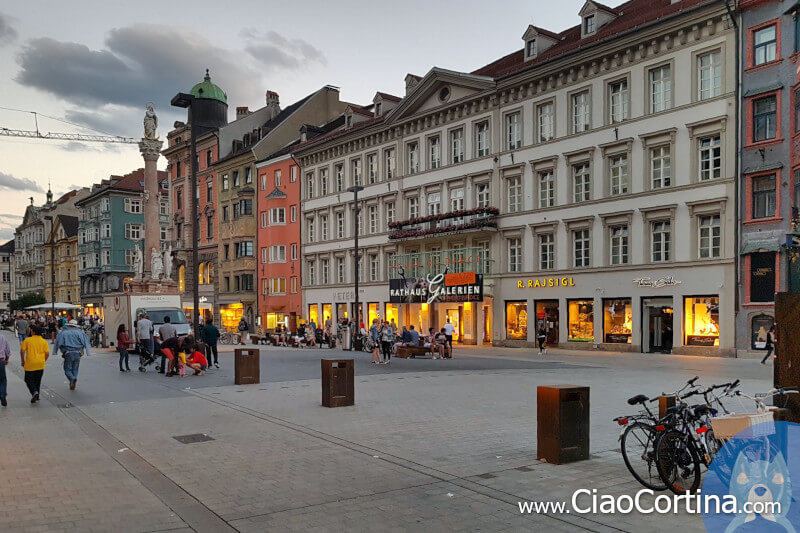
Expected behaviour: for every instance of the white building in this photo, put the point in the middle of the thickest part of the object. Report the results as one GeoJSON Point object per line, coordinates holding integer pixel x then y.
{"type": "Point", "coordinates": [588, 178]}
{"type": "Point", "coordinates": [6, 274]}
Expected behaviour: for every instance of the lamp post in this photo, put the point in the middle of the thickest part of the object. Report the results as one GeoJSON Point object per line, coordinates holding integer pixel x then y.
{"type": "Point", "coordinates": [52, 269]}
{"type": "Point", "coordinates": [355, 189]}
{"type": "Point", "coordinates": [186, 101]}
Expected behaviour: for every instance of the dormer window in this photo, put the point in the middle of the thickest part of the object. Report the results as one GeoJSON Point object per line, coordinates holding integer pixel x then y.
{"type": "Point", "coordinates": [588, 24]}
{"type": "Point", "coordinates": [378, 109]}
{"type": "Point", "coordinates": [349, 121]}
{"type": "Point", "coordinates": [532, 48]}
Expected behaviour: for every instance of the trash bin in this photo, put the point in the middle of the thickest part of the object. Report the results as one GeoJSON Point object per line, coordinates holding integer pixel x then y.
{"type": "Point", "coordinates": [246, 366]}
{"type": "Point", "coordinates": [338, 383]}
{"type": "Point", "coordinates": [562, 423]}
{"type": "Point", "coordinates": [358, 343]}
{"type": "Point", "coordinates": [346, 340]}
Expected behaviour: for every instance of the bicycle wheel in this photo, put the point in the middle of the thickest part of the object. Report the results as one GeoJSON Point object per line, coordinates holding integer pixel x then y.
{"type": "Point", "coordinates": [677, 462]}
{"type": "Point", "coordinates": [638, 451]}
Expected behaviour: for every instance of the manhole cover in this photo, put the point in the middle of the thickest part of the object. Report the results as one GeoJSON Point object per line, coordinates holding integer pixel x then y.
{"type": "Point", "coordinates": [191, 439]}
{"type": "Point", "coordinates": [487, 476]}
{"type": "Point", "coordinates": [524, 469]}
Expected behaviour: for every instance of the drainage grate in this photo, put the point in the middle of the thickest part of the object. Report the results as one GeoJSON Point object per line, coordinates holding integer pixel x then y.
{"type": "Point", "coordinates": [191, 439]}
{"type": "Point", "coordinates": [524, 469]}
{"type": "Point", "coordinates": [486, 476]}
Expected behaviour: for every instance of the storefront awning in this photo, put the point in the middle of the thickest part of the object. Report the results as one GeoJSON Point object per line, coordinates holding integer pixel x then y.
{"type": "Point", "coordinates": [766, 245]}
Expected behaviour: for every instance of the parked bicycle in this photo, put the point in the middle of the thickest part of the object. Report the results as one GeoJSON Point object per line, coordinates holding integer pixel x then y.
{"type": "Point", "coordinates": [228, 337]}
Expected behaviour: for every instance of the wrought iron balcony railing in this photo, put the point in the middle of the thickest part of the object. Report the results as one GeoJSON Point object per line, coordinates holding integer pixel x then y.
{"type": "Point", "coordinates": [443, 223]}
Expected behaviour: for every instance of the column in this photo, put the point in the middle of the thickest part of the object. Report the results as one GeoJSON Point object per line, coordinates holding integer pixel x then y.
{"type": "Point", "coordinates": [150, 150]}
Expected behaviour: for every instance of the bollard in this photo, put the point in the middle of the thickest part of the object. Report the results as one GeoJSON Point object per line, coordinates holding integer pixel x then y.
{"type": "Point", "coordinates": [562, 426]}
{"type": "Point", "coordinates": [338, 377]}
{"type": "Point", "coordinates": [664, 403]}
{"type": "Point", "coordinates": [246, 366]}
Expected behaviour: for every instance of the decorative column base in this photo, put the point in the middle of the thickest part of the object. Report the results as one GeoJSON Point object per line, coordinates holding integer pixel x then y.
{"type": "Point", "coordinates": [152, 286]}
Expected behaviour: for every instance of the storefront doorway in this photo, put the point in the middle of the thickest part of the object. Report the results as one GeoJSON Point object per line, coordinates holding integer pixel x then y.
{"type": "Point", "coordinates": [454, 317]}
{"type": "Point", "coordinates": [547, 314]}
{"type": "Point", "coordinates": [657, 325]}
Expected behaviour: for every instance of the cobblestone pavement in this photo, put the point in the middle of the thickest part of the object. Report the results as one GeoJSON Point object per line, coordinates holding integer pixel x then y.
{"type": "Point", "coordinates": [426, 447]}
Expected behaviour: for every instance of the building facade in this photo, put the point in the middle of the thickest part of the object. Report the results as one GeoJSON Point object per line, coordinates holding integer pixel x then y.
{"type": "Point", "coordinates": [770, 164]}
{"type": "Point", "coordinates": [211, 107]}
{"type": "Point", "coordinates": [110, 227]}
{"type": "Point", "coordinates": [584, 184]}
{"type": "Point", "coordinates": [6, 274]}
{"type": "Point", "coordinates": [61, 254]}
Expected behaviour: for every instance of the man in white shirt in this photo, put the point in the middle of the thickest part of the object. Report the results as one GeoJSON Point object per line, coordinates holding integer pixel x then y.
{"type": "Point", "coordinates": [448, 333]}
{"type": "Point", "coordinates": [144, 333]}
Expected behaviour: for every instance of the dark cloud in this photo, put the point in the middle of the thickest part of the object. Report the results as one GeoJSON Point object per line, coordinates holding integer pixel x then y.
{"type": "Point", "coordinates": [12, 183]}
{"type": "Point", "coordinates": [7, 31]}
{"type": "Point", "coordinates": [275, 51]}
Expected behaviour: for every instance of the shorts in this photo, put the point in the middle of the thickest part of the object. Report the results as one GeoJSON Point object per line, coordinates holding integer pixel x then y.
{"type": "Point", "coordinates": [203, 367]}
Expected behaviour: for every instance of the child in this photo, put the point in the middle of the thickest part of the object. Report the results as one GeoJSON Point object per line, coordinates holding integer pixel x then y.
{"type": "Point", "coordinates": [182, 364]}
{"type": "Point", "coordinates": [197, 362]}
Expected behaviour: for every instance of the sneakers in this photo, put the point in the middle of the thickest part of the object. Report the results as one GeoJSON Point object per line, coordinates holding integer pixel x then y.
{"type": "Point", "coordinates": [3, 401]}
{"type": "Point", "coordinates": [35, 398]}
{"type": "Point", "coordinates": [216, 365]}
{"type": "Point", "coordinates": [72, 384]}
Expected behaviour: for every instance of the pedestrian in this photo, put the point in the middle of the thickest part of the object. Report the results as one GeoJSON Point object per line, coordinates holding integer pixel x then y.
{"type": "Point", "coordinates": [144, 334]}
{"type": "Point", "coordinates": [449, 329]}
{"type": "Point", "coordinates": [5, 355]}
{"type": "Point", "coordinates": [387, 341]}
{"type": "Point", "coordinates": [210, 335]}
{"type": "Point", "coordinates": [73, 343]}
{"type": "Point", "coordinates": [197, 362]}
{"type": "Point", "coordinates": [771, 340]}
{"type": "Point", "coordinates": [22, 327]}
{"type": "Point", "coordinates": [375, 336]}
{"type": "Point", "coordinates": [167, 330]}
{"type": "Point", "coordinates": [34, 352]}
{"type": "Point", "coordinates": [52, 329]}
{"type": "Point", "coordinates": [243, 327]}
{"type": "Point", "coordinates": [123, 343]}
{"type": "Point", "coordinates": [541, 337]}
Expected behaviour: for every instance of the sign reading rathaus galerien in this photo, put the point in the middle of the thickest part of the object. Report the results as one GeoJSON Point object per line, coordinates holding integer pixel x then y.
{"type": "Point", "coordinates": [442, 287]}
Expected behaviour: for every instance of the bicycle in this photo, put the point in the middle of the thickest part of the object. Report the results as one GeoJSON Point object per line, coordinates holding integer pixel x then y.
{"type": "Point", "coordinates": [228, 337]}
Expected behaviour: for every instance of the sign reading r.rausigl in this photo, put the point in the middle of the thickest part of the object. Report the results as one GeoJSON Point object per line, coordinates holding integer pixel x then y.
{"type": "Point", "coordinates": [457, 287]}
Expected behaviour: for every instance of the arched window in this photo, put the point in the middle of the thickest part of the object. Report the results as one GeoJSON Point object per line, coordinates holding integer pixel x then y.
{"type": "Point", "coordinates": [182, 278]}
{"type": "Point", "coordinates": [201, 273]}
{"type": "Point", "coordinates": [210, 273]}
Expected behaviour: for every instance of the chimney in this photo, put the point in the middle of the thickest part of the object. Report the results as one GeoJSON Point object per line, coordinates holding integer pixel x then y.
{"type": "Point", "coordinates": [242, 112]}
{"type": "Point", "coordinates": [273, 103]}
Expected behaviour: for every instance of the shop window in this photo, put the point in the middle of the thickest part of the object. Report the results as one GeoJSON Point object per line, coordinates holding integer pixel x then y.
{"type": "Point", "coordinates": [702, 320]}
{"type": "Point", "coordinates": [759, 327]}
{"type": "Point", "coordinates": [313, 313]}
{"type": "Point", "coordinates": [273, 319]}
{"type": "Point", "coordinates": [762, 277]}
{"type": "Point", "coordinates": [326, 313]}
{"type": "Point", "coordinates": [373, 312]}
{"type": "Point", "coordinates": [581, 320]}
{"type": "Point", "coordinates": [341, 311]}
{"type": "Point", "coordinates": [517, 320]}
{"type": "Point", "coordinates": [617, 321]}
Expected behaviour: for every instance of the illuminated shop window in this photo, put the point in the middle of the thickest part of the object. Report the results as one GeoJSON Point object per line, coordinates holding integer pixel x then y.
{"type": "Point", "coordinates": [759, 327]}
{"type": "Point", "coordinates": [326, 313]}
{"type": "Point", "coordinates": [702, 320]}
{"type": "Point", "coordinates": [313, 313]}
{"type": "Point", "coordinates": [517, 320]}
{"type": "Point", "coordinates": [182, 278]}
{"type": "Point", "coordinates": [617, 321]}
{"type": "Point", "coordinates": [392, 313]}
{"type": "Point", "coordinates": [374, 312]}
{"type": "Point", "coordinates": [581, 320]}
{"type": "Point", "coordinates": [341, 311]}
{"type": "Point", "coordinates": [273, 319]}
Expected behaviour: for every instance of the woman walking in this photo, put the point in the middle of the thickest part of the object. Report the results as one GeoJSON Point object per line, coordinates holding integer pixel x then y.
{"type": "Point", "coordinates": [541, 337]}
{"type": "Point", "coordinates": [387, 338]}
{"type": "Point", "coordinates": [123, 343]}
{"type": "Point", "coordinates": [771, 340]}
{"type": "Point", "coordinates": [375, 336]}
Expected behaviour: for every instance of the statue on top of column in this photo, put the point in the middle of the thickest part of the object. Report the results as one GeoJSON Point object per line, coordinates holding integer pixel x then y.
{"type": "Point", "coordinates": [150, 122]}
{"type": "Point", "coordinates": [156, 264]}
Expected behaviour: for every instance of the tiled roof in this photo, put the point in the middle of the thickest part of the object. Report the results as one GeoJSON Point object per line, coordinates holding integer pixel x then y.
{"type": "Point", "coordinates": [361, 111]}
{"type": "Point", "coordinates": [327, 128]}
{"type": "Point", "coordinates": [632, 14]}
{"type": "Point", "coordinates": [391, 97]}
{"type": "Point", "coordinates": [70, 225]}
{"type": "Point", "coordinates": [7, 248]}
{"type": "Point", "coordinates": [338, 132]}
{"type": "Point", "coordinates": [133, 182]}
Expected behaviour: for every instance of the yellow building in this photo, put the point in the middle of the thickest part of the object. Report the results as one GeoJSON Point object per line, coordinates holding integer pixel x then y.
{"type": "Point", "coordinates": [61, 248]}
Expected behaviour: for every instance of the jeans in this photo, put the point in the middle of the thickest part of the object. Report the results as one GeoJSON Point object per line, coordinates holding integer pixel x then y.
{"type": "Point", "coordinates": [21, 337]}
{"type": "Point", "coordinates": [33, 380]}
{"type": "Point", "coordinates": [72, 360]}
{"type": "Point", "coordinates": [387, 350]}
{"type": "Point", "coordinates": [213, 354]}
{"type": "Point", "coordinates": [3, 380]}
{"type": "Point", "coordinates": [123, 357]}
{"type": "Point", "coordinates": [147, 344]}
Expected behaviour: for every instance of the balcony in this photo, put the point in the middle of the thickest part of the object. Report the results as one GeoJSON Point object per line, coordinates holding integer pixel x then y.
{"type": "Point", "coordinates": [445, 223]}
{"type": "Point", "coordinates": [421, 264]}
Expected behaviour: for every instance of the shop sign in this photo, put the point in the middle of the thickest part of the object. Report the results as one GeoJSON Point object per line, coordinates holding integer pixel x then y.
{"type": "Point", "coordinates": [442, 287]}
{"type": "Point", "coordinates": [652, 283]}
{"type": "Point", "coordinates": [545, 282]}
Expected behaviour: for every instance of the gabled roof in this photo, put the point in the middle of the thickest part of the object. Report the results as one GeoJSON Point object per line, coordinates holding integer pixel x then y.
{"type": "Point", "coordinates": [70, 225]}
{"type": "Point", "coordinates": [7, 248]}
{"type": "Point", "coordinates": [387, 96]}
{"type": "Point", "coordinates": [276, 193]}
{"type": "Point", "coordinates": [313, 133]}
{"type": "Point", "coordinates": [132, 182]}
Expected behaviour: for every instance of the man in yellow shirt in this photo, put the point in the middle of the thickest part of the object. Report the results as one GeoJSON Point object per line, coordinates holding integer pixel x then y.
{"type": "Point", "coordinates": [34, 352]}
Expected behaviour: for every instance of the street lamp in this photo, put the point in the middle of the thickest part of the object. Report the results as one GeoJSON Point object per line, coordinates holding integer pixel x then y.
{"type": "Point", "coordinates": [355, 189]}
{"type": "Point", "coordinates": [52, 269]}
{"type": "Point", "coordinates": [186, 101]}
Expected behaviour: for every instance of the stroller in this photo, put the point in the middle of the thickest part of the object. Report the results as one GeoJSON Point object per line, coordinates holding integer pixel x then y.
{"type": "Point", "coordinates": [145, 358]}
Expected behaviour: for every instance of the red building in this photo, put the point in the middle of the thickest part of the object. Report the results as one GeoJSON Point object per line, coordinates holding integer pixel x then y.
{"type": "Point", "coordinates": [279, 297]}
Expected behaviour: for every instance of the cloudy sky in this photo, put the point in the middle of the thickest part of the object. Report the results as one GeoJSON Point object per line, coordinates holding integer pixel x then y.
{"type": "Point", "coordinates": [84, 63]}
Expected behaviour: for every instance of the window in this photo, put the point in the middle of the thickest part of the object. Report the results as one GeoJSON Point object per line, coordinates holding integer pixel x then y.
{"type": "Point", "coordinates": [581, 320]}
{"type": "Point", "coordinates": [660, 79]}
{"type": "Point", "coordinates": [323, 181]}
{"type": "Point", "coordinates": [412, 149]}
{"type": "Point", "coordinates": [264, 255]}
{"type": "Point", "coordinates": [209, 158]}
{"type": "Point", "coordinates": [248, 175]}
{"type": "Point", "coordinates": [340, 228]}
{"type": "Point", "coordinates": [618, 168]}
{"type": "Point", "coordinates": [245, 207]}
{"type": "Point", "coordinates": [340, 273]}
{"type": "Point", "coordinates": [339, 171]}
{"type": "Point", "coordinates": [277, 253]}
{"type": "Point", "coordinates": [413, 207]}
{"type": "Point", "coordinates": [619, 245]}
{"type": "Point", "coordinates": [513, 131]}
{"type": "Point", "coordinates": [277, 215]}
{"type": "Point", "coordinates": [390, 162]}
{"type": "Point", "coordinates": [389, 212]}
{"type": "Point", "coordinates": [617, 321]}
{"type": "Point", "coordinates": [225, 183]}
{"type": "Point", "coordinates": [581, 182]}
{"type": "Point", "coordinates": [517, 320]}
{"type": "Point", "coordinates": [243, 249]}
{"type": "Point", "coordinates": [294, 252]}
{"type": "Point", "coordinates": [547, 189]}
{"type": "Point", "coordinates": [312, 280]}
{"type": "Point", "coordinates": [482, 195]}
{"type": "Point", "coordinates": [764, 196]}
{"type": "Point", "coordinates": [225, 213]}
{"type": "Point", "coordinates": [580, 248]}
{"type": "Point", "coordinates": [106, 257]}
{"type": "Point", "coordinates": [277, 285]}
{"type": "Point", "coordinates": [514, 254]}
{"type": "Point", "coordinates": [106, 232]}
{"type": "Point", "coordinates": [236, 181]}
{"type": "Point", "coordinates": [133, 232]}
{"type": "Point", "coordinates": [209, 228]}
{"type": "Point", "coordinates": [226, 248]}
{"type": "Point", "coordinates": [456, 199]}
{"type": "Point", "coordinates": [618, 101]}
{"type": "Point", "coordinates": [660, 240]}
{"type": "Point", "coordinates": [372, 212]}
{"type": "Point", "coordinates": [209, 192]}
{"type": "Point", "coordinates": [797, 105]}
{"type": "Point", "coordinates": [514, 186]}
{"type": "Point", "coordinates": [263, 219]}
{"type": "Point", "coordinates": [293, 211]}
{"type": "Point", "coordinates": [710, 158]}
{"type": "Point", "coordinates": [588, 24]}
{"type": "Point", "coordinates": [293, 176]}
{"type": "Point", "coordinates": [263, 182]}
{"type": "Point", "coordinates": [709, 231]}
{"type": "Point", "coordinates": [133, 205]}
{"type": "Point", "coordinates": [104, 205]}
{"type": "Point", "coordinates": [702, 320]}
{"type": "Point", "coordinates": [374, 267]}
{"type": "Point", "coordinates": [457, 146]}
{"type": "Point", "coordinates": [764, 118]}
{"type": "Point", "coordinates": [709, 75]}
{"type": "Point", "coordinates": [355, 168]}
{"type": "Point", "coordinates": [372, 169]}
{"type": "Point", "coordinates": [547, 251]}
{"type": "Point", "coordinates": [245, 282]}
{"type": "Point", "coordinates": [581, 112]}
{"type": "Point", "coordinates": [435, 152]}
{"type": "Point", "coordinates": [765, 45]}
{"type": "Point", "coordinates": [434, 203]}
{"type": "Point", "coordinates": [323, 226]}
{"type": "Point", "coordinates": [482, 138]}
{"type": "Point", "coordinates": [532, 48]}
{"type": "Point", "coordinates": [129, 258]}
{"type": "Point", "coordinates": [325, 268]}
{"type": "Point", "coordinates": [178, 173]}
{"type": "Point", "coordinates": [278, 181]}
{"type": "Point", "coordinates": [762, 277]}
{"type": "Point", "coordinates": [660, 167]}
{"type": "Point", "coordinates": [546, 121]}
{"type": "Point", "coordinates": [310, 229]}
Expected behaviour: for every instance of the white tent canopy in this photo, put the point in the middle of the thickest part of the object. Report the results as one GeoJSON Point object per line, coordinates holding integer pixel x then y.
{"type": "Point", "coordinates": [58, 306]}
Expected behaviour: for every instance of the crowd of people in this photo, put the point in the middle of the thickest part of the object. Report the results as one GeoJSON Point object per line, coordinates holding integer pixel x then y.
{"type": "Point", "coordinates": [177, 353]}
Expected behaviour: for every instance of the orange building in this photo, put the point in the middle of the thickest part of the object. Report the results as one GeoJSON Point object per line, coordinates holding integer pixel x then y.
{"type": "Point", "coordinates": [279, 297]}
